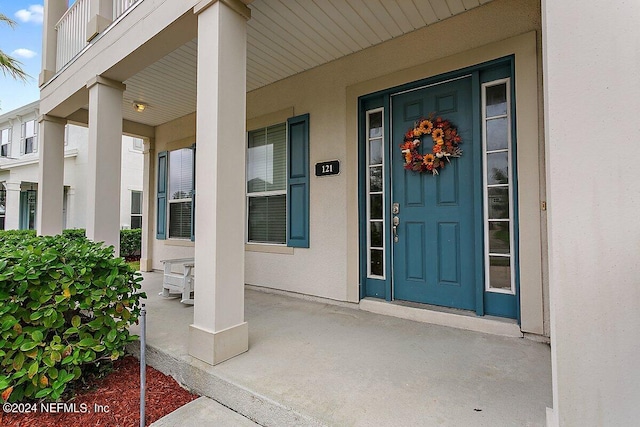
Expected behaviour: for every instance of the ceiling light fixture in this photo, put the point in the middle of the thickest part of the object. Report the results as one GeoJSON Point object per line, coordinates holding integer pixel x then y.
{"type": "Point", "coordinates": [139, 106]}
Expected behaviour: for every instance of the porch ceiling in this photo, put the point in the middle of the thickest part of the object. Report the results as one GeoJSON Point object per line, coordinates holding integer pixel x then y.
{"type": "Point", "coordinates": [285, 37]}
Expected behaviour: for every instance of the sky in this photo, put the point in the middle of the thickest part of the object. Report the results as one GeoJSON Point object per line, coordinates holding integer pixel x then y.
{"type": "Point", "coordinates": [24, 43]}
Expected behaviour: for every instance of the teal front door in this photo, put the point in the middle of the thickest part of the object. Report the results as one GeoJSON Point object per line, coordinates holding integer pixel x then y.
{"type": "Point", "coordinates": [438, 235]}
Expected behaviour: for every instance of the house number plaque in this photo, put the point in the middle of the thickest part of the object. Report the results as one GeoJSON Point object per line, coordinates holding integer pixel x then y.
{"type": "Point", "coordinates": [328, 168]}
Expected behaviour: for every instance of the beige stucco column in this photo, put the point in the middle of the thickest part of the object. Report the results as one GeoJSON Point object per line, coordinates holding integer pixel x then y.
{"type": "Point", "coordinates": [219, 331]}
{"type": "Point", "coordinates": [148, 205]}
{"type": "Point", "coordinates": [103, 179]}
{"type": "Point", "coordinates": [592, 99]}
{"type": "Point", "coordinates": [12, 212]}
{"type": "Point", "coordinates": [53, 11]}
{"type": "Point", "coordinates": [100, 17]}
{"type": "Point", "coordinates": [51, 176]}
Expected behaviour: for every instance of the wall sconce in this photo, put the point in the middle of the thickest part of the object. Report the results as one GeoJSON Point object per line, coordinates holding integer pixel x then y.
{"type": "Point", "coordinates": [139, 106]}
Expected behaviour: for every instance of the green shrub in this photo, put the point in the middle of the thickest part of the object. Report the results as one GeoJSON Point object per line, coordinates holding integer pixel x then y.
{"type": "Point", "coordinates": [75, 233]}
{"type": "Point", "coordinates": [65, 308]}
{"type": "Point", "coordinates": [130, 243]}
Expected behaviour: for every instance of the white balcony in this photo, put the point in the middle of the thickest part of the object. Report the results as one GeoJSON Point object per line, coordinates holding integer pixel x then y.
{"type": "Point", "coordinates": [72, 27]}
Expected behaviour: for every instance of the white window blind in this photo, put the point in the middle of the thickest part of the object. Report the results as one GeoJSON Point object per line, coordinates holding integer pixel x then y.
{"type": "Point", "coordinates": [266, 184]}
{"type": "Point", "coordinates": [180, 192]}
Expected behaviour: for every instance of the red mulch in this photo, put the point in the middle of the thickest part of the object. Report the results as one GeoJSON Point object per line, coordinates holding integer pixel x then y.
{"type": "Point", "coordinates": [120, 392]}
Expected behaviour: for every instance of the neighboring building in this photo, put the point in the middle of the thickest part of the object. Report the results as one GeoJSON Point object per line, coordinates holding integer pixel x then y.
{"type": "Point", "coordinates": [19, 173]}
{"type": "Point", "coordinates": [243, 105]}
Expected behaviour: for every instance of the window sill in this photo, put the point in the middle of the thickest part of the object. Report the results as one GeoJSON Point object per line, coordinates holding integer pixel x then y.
{"type": "Point", "coordinates": [270, 249]}
{"type": "Point", "coordinates": [179, 242]}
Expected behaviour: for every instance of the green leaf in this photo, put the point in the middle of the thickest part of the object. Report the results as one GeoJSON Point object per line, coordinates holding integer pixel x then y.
{"type": "Point", "coordinates": [4, 382]}
{"type": "Point", "coordinates": [37, 336]}
{"type": "Point", "coordinates": [111, 336]}
{"type": "Point", "coordinates": [8, 322]}
{"type": "Point", "coordinates": [33, 369]}
{"type": "Point", "coordinates": [18, 361]}
{"type": "Point", "coordinates": [75, 321]}
{"type": "Point", "coordinates": [36, 315]}
{"type": "Point", "coordinates": [28, 345]}
{"type": "Point", "coordinates": [53, 373]}
{"type": "Point", "coordinates": [87, 342]}
{"type": "Point", "coordinates": [47, 360]}
{"type": "Point", "coordinates": [44, 392]}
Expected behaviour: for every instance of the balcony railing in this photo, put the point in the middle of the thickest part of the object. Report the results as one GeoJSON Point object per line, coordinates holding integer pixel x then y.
{"type": "Point", "coordinates": [72, 32]}
{"type": "Point", "coordinates": [72, 28]}
{"type": "Point", "coordinates": [120, 7]}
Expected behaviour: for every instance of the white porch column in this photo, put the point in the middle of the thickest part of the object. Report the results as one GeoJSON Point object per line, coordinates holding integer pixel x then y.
{"type": "Point", "coordinates": [53, 11]}
{"type": "Point", "coordinates": [219, 331]}
{"type": "Point", "coordinates": [51, 176]}
{"type": "Point", "coordinates": [592, 99]}
{"type": "Point", "coordinates": [105, 151]}
{"type": "Point", "coordinates": [100, 17]}
{"type": "Point", "coordinates": [12, 213]}
{"type": "Point", "coordinates": [148, 205]}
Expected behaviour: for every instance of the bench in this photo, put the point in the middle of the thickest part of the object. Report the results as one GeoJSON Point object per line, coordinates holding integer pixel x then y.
{"type": "Point", "coordinates": [178, 278]}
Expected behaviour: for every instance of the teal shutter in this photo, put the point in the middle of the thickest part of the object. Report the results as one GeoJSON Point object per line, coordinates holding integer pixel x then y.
{"type": "Point", "coordinates": [193, 196]}
{"type": "Point", "coordinates": [24, 211]}
{"type": "Point", "coordinates": [298, 182]}
{"type": "Point", "coordinates": [161, 207]}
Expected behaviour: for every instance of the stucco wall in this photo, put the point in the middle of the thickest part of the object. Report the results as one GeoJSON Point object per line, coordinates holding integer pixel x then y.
{"type": "Point", "coordinates": [594, 233]}
{"type": "Point", "coordinates": [176, 134]}
{"type": "Point", "coordinates": [329, 268]}
{"type": "Point", "coordinates": [329, 93]}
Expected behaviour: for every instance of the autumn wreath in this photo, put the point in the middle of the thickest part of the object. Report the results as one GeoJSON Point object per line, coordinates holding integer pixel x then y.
{"type": "Point", "coordinates": [446, 143]}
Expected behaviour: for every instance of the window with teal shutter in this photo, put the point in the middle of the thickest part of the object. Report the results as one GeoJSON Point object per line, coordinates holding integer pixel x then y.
{"type": "Point", "coordinates": [161, 207]}
{"type": "Point", "coordinates": [298, 182]}
{"type": "Point", "coordinates": [278, 184]}
{"type": "Point", "coordinates": [193, 196]}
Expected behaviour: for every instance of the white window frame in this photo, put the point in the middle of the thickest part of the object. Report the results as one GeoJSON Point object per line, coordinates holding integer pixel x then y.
{"type": "Point", "coordinates": [24, 137]}
{"type": "Point", "coordinates": [510, 185]}
{"type": "Point", "coordinates": [368, 139]}
{"type": "Point", "coordinates": [137, 215]}
{"type": "Point", "coordinates": [170, 200]}
{"type": "Point", "coordinates": [282, 192]}
{"type": "Point", "coordinates": [6, 131]}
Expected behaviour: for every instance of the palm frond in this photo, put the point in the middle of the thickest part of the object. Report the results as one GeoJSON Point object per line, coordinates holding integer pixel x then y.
{"type": "Point", "coordinates": [5, 19]}
{"type": "Point", "coordinates": [12, 67]}
{"type": "Point", "coordinates": [9, 65]}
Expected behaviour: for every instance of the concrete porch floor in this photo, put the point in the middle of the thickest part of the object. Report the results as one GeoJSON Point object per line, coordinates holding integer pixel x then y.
{"type": "Point", "coordinates": [314, 363]}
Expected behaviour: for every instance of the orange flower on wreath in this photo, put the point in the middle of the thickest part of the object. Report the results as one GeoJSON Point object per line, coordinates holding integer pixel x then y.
{"type": "Point", "coordinates": [437, 134]}
{"type": "Point", "coordinates": [437, 148]}
{"type": "Point", "coordinates": [427, 126]}
{"type": "Point", "coordinates": [428, 159]}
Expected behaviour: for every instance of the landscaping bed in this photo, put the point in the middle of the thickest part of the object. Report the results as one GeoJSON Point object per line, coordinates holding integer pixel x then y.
{"type": "Point", "coordinates": [112, 401]}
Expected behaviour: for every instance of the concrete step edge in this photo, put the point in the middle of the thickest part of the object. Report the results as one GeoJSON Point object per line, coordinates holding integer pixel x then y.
{"type": "Point", "coordinates": [193, 375]}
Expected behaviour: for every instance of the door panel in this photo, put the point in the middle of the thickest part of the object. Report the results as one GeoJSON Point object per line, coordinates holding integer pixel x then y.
{"type": "Point", "coordinates": [434, 258]}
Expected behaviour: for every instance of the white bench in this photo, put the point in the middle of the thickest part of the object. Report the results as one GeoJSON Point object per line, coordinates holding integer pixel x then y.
{"type": "Point", "coordinates": [178, 280]}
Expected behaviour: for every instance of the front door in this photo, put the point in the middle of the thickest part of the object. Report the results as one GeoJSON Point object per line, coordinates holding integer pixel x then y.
{"type": "Point", "coordinates": [439, 216]}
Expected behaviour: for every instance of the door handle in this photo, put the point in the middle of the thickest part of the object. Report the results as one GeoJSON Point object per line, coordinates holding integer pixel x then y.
{"type": "Point", "coordinates": [396, 222]}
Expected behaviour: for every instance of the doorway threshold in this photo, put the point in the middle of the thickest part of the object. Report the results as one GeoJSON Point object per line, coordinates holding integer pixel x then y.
{"type": "Point", "coordinates": [443, 316]}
